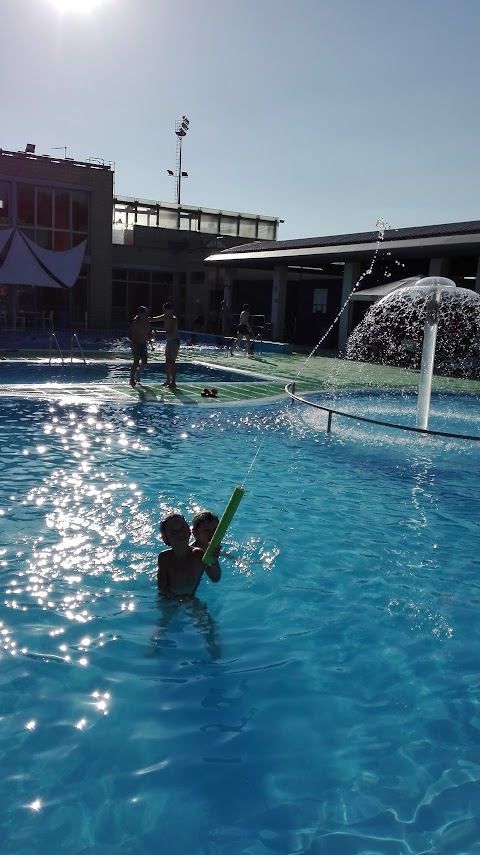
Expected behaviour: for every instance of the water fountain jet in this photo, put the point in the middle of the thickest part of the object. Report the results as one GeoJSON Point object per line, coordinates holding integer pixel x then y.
{"type": "Point", "coordinates": [436, 285]}
{"type": "Point", "coordinates": [430, 323]}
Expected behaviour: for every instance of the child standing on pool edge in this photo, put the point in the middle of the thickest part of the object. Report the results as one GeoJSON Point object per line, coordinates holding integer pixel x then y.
{"type": "Point", "coordinates": [172, 344]}
{"type": "Point", "coordinates": [140, 336]}
{"type": "Point", "coordinates": [180, 568]}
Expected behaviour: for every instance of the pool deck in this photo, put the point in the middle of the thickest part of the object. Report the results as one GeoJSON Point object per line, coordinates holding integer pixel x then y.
{"type": "Point", "coordinates": [310, 374]}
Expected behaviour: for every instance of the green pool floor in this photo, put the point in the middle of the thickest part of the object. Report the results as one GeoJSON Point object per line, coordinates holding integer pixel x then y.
{"type": "Point", "coordinates": [317, 373]}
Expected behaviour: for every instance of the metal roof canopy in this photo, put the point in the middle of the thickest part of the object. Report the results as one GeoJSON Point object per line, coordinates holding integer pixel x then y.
{"type": "Point", "coordinates": [450, 239]}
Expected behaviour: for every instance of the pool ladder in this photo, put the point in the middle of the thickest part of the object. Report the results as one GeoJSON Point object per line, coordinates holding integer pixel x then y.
{"type": "Point", "coordinates": [74, 342]}
{"type": "Point", "coordinates": [54, 341]}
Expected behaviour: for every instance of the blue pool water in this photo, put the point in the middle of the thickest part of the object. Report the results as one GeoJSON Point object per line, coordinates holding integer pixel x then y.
{"type": "Point", "coordinates": [115, 371]}
{"type": "Point", "coordinates": [324, 698]}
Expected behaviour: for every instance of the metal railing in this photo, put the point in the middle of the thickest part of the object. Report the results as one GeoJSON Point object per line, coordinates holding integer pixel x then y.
{"type": "Point", "coordinates": [53, 340]}
{"type": "Point", "coordinates": [290, 390]}
{"type": "Point", "coordinates": [74, 341]}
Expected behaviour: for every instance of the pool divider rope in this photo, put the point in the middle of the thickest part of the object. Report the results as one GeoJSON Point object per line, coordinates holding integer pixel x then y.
{"type": "Point", "coordinates": [290, 390]}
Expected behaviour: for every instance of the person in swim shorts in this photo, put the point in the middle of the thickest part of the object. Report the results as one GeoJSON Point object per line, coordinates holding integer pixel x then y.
{"type": "Point", "coordinates": [172, 344]}
{"type": "Point", "coordinates": [140, 336]}
{"type": "Point", "coordinates": [244, 330]}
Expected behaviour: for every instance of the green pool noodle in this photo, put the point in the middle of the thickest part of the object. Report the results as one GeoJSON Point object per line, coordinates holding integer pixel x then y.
{"type": "Point", "coordinates": [225, 521]}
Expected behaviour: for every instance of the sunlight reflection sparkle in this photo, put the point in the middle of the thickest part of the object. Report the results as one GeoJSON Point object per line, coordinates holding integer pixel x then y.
{"type": "Point", "coordinates": [76, 6]}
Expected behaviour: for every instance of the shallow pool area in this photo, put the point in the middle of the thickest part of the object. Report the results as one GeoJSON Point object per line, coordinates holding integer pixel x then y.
{"type": "Point", "coordinates": [449, 412]}
{"type": "Point", "coordinates": [44, 370]}
{"type": "Point", "coordinates": [322, 698]}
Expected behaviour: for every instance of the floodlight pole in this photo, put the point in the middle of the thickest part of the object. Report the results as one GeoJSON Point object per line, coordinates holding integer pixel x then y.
{"type": "Point", "coordinates": [181, 128]}
{"type": "Point", "coordinates": [179, 176]}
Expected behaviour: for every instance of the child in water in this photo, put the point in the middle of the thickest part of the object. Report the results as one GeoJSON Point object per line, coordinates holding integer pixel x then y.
{"type": "Point", "coordinates": [180, 568]}
{"type": "Point", "coordinates": [204, 524]}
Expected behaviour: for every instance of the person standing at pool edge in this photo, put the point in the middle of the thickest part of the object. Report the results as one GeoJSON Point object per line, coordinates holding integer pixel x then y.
{"type": "Point", "coordinates": [140, 336]}
{"type": "Point", "coordinates": [172, 344]}
{"type": "Point", "coordinates": [244, 330]}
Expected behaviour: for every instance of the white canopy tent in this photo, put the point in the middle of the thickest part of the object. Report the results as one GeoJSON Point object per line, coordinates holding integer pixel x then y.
{"type": "Point", "coordinates": [25, 264]}
{"type": "Point", "coordinates": [28, 264]}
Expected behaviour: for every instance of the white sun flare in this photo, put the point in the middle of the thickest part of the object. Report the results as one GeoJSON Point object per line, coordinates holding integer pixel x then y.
{"type": "Point", "coordinates": [76, 6]}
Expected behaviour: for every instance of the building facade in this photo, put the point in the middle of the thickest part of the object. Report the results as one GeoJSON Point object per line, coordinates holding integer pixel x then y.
{"type": "Point", "coordinates": [142, 252]}
{"type": "Point", "coordinates": [138, 252]}
{"type": "Point", "coordinates": [59, 203]}
{"type": "Point", "coordinates": [311, 281]}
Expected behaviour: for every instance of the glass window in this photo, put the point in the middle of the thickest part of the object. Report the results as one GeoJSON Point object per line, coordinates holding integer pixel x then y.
{"type": "Point", "coordinates": [25, 204]}
{"type": "Point", "coordinates": [228, 225]}
{"type": "Point", "coordinates": [168, 219]}
{"type": "Point", "coordinates": [266, 231]}
{"type": "Point", "coordinates": [4, 203]}
{"type": "Point", "coordinates": [62, 240]}
{"type": "Point", "coordinates": [139, 295]}
{"type": "Point", "coordinates": [119, 294]}
{"type": "Point", "coordinates": [210, 223]}
{"type": "Point", "coordinates": [78, 238]}
{"type": "Point", "coordinates": [119, 274]}
{"type": "Point", "coordinates": [162, 278]}
{"type": "Point", "coordinates": [44, 207]}
{"type": "Point", "coordinates": [44, 238]}
{"type": "Point", "coordinates": [320, 300]}
{"type": "Point", "coordinates": [119, 315]}
{"type": "Point", "coordinates": [62, 209]}
{"type": "Point", "coordinates": [189, 222]}
{"type": "Point", "coordinates": [79, 298]}
{"type": "Point", "coordinates": [80, 211]}
{"type": "Point", "coordinates": [139, 276]}
{"type": "Point", "coordinates": [197, 277]}
{"type": "Point", "coordinates": [248, 228]}
{"type": "Point", "coordinates": [30, 233]}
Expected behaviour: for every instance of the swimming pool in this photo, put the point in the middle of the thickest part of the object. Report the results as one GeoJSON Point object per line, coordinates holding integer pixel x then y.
{"type": "Point", "coordinates": [113, 371]}
{"type": "Point", "coordinates": [323, 698]}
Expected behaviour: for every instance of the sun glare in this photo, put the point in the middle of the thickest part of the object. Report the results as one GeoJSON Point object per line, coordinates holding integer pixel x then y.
{"type": "Point", "coordinates": [76, 6]}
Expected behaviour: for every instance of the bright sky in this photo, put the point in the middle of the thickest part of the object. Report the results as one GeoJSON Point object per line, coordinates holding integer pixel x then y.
{"type": "Point", "coordinates": [329, 114]}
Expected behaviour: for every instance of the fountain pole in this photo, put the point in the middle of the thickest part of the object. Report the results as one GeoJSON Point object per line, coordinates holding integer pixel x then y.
{"type": "Point", "coordinates": [428, 356]}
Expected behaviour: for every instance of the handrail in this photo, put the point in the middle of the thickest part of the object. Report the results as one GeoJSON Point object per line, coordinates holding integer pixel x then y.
{"type": "Point", "coordinates": [74, 339]}
{"type": "Point", "coordinates": [258, 340]}
{"type": "Point", "coordinates": [53, 338]}
{"type": "Point", "coordinates": [290, 390]}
